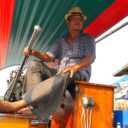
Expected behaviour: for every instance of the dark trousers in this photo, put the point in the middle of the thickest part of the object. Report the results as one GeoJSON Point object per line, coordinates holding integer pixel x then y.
{"type": "Point", "coordinates": [44, 89]}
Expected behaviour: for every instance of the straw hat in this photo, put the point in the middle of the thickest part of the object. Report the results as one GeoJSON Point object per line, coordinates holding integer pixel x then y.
{"type": "Point", "coordinates": [74, 11]}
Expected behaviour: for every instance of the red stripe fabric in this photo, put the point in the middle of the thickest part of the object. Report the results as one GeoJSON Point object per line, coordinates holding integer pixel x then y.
{"type": "Point", "coordinates": [6, 15]}
{"type": "Point", "coordinates": [112, 15]}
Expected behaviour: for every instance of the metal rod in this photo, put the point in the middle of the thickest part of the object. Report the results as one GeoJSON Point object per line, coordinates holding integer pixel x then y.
{"type": "Point", "coordinates": [9, 93]}
{"type": "Point", "coordinates": [110, 33]}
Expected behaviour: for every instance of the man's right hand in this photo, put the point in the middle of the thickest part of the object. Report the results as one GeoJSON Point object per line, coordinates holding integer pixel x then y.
{"type": "Point", "coordinates": [43, 56]}
{"type": "Point", "coordinates": [27, 52]}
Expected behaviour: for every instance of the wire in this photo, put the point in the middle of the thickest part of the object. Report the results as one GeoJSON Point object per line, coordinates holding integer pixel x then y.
{"type": "Point", "coordinates": [90, 119]}
{"type": "Point", "coordinates": [86, 117]}
{"type": "Point", "coordinates": [83, 118]}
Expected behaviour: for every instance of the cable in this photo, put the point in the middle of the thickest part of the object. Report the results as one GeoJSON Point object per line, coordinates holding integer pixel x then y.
{"type": "Point", "coordinates": [83, 118]}
{"type": "Point", "coordinates": [86, 116]}
{"type": "Point", "coordinates": [90, 119]}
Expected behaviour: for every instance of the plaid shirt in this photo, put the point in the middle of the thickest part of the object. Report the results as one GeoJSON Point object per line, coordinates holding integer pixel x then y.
{"type": "Point", "coordinates": [72, 53]}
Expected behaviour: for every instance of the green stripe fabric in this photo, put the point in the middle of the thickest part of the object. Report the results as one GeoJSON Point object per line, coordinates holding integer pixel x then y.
{"type": "Point", "coordinates": [49, 14]}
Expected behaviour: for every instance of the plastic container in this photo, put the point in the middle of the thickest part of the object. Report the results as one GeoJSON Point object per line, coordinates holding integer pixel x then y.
{"type": "Point", "coordinates": [122, 117]}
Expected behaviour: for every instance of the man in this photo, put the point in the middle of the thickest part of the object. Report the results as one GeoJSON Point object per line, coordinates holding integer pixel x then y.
{"type": "Point", "coordinates": [44, 86]}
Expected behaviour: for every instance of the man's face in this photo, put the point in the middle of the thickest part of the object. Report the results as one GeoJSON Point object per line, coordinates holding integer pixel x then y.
{"type": "Point", "coordinates": [75, 22]}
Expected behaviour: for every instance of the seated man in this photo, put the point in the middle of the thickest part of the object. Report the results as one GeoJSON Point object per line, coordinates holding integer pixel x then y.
{"type": "Point", "coordinates": [76, 53]}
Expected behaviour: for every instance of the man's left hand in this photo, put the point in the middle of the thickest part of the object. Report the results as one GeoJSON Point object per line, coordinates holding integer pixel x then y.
{"type": "Point", "coordinates": [70, 69]}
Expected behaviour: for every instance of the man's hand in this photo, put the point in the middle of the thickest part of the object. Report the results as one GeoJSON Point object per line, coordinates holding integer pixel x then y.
{"type": "Point", "coordinates": [71, 69]}
{"type": "Point", "coordinates": [43, 56]}
{"type": "Point", "coordinates": [27, 52]}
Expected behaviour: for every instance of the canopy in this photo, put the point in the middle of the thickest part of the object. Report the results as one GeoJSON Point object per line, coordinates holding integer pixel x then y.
{"type": "Point", "coordinates": [122, 71]}
{"type": "Point", "coordinates": [18, 18]}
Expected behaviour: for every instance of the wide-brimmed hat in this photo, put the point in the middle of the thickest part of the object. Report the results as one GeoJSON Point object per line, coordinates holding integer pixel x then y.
{"type": "Point", "coordinates": [74, 11]}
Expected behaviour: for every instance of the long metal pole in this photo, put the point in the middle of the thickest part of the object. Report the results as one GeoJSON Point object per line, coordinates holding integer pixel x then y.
{"type": "Point", "coordinates": [9, 93]}
{"type": "Point", "coordinates": [110, 33]}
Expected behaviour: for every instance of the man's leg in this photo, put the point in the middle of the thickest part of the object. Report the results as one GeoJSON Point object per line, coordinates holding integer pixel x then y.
{"type": "Point", "coordinates": [71, 87]}
{"type": "Point", "coordinates": [44, 98]}
{"type": "Point", "coordinates": [37, 71]}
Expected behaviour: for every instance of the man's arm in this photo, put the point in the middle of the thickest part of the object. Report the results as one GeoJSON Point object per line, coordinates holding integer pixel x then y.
{"type": "Point", "coordinates": [80, 65]}
{"type": "Point", "coordinates": [43, 56]}
{"type": "Point", "coordinates": [85, 62]}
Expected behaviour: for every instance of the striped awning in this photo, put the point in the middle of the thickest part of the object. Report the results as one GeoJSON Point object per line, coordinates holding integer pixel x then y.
{"type": "Point", "coordinates": [18, 17]}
